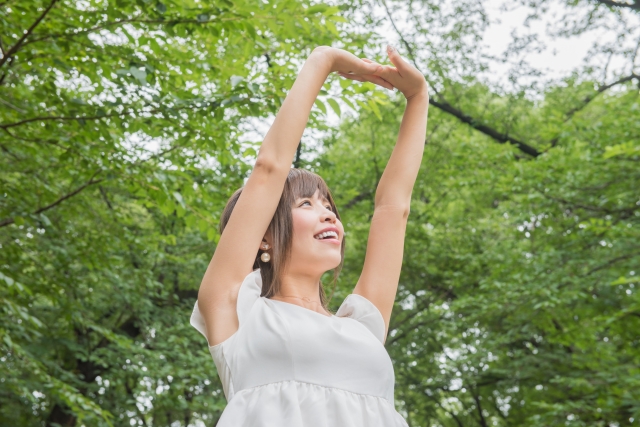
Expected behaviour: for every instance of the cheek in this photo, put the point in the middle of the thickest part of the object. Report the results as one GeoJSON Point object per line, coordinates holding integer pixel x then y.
{"type": "Point", "coordinates": [303, 223]}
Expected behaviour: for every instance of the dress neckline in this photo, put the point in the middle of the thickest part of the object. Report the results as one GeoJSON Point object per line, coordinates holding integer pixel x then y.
{"type": "Point", "coordinates": [303, 308]}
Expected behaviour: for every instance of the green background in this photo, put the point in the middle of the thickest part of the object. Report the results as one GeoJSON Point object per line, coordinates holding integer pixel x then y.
{"type": "Point", "coordinates": [123, 131]}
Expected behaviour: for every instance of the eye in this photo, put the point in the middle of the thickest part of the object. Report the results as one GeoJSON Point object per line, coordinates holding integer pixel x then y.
{"type": "Point", "coordinates": [326, 206]}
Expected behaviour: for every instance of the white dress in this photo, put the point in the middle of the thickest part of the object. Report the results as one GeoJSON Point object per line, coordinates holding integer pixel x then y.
{"type": "Point", "coordinates": [289, 366]}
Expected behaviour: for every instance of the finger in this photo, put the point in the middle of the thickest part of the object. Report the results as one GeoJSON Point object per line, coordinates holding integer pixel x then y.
{"type": "Point", "coordinates": [369, 78]}
{"type": "Point", "coordinates": [388, 73]}
{"type": "Point", "coordinates": [370, 61]}
{"type": "Point", "coordinates": [357, 77]}
{"type": "Point", "coordinates": [396, 59]}
{"type": "Point", "coordinates": [379, 81]}
{"type": "Point", "coordinates": [364, 67]}
{"type": "Point", "coordinates": [367, 67]}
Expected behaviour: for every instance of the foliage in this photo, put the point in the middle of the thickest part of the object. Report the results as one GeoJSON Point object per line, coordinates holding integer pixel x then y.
{"type": "Point", "coordinates": [121, 141]}
{"type": "Point", "coordinates": [518, 302]}
{"type": "Point", "coordinates": [123, 134]}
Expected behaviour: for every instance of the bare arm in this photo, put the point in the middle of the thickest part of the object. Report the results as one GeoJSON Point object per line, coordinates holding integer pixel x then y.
{"type": "Point", "coordinates": [385, 246]}
{"type": "Point", "coordinates": [239, 243]}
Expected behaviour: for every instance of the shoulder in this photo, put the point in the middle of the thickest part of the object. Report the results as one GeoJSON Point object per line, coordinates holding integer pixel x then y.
{"type": "Point", "coordinates": [359, 308]}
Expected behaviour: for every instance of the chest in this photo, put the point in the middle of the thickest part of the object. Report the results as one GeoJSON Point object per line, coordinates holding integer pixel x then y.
{"type": "Point", "coordinates": [282, 341]}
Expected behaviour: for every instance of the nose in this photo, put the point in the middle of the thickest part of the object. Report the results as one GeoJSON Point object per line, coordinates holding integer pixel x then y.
{"type": "Point", "coordinates": [329, 215]}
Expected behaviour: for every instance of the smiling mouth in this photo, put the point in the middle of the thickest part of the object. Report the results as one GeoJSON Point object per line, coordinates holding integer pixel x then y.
{"type": "Point", "coordinates": [330, 240]}
{"type": "Point", "coordinates": [331, 234]}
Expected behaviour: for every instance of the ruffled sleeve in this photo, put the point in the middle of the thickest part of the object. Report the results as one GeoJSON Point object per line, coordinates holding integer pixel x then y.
{"type": "Point", "coordinates": [364, 311]}
{"type": "Point", "coordinates": [248, 294]}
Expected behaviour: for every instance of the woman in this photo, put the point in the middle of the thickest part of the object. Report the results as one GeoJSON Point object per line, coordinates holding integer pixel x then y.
{"type": "Point", "coordinates": [283, 358]}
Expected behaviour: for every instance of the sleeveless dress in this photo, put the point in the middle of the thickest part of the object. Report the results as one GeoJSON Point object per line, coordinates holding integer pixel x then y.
{"type": "Point", "coordinates": [289, 366]}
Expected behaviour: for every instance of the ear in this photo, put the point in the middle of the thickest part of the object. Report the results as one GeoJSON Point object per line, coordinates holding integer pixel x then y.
{"type": "Point", "coordinates": [265, 242]}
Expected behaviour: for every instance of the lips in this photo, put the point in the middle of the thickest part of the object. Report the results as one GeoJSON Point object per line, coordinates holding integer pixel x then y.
{"type": "Point", "coordinates": [332, 239]}
{"type": "Point", "coordinates": [334, 229]}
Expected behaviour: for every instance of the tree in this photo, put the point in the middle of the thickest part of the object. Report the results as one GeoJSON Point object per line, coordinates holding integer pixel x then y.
{"type": "Point", "coordinates": [122, 136]}
{"type": "Point", "coordinates": [518, 300]}
{"type": "Point", "coordinates": [121, 139]}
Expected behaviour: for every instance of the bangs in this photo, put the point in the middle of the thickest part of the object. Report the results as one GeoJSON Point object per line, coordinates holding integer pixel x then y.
{"type": "Point", "coordinates": [304, 184]}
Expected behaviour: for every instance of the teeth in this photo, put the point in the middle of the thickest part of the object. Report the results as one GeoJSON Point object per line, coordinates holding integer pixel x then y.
{"type": "Point", "coordinates": [325, 234]}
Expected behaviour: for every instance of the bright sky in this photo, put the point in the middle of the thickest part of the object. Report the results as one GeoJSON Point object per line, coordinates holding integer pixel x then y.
{"type": "Point", "coordinates": [559, 55]}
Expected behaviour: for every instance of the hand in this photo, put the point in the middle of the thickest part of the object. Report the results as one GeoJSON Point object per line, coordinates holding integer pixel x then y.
{"type": "Point", "coordinates": [404, 76]}
{"type": "Point", "coordinates": [347, 63]}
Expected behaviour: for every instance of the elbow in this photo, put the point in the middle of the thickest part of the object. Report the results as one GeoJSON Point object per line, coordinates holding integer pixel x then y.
{"type": "Point", "coordinates": [266, 165]}
{"type": "Point", "coordinates": [405, 212]}
{"type": "Point", "coordinates": [402, 209]}
{"type": "Point", "coordinates": [393, 202]}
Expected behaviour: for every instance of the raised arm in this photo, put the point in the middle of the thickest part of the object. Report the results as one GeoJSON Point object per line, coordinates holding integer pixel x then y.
{"type": "Point", "coordinates": [240, 241]}
{"type": "Point", "coordinates": [383, 261]}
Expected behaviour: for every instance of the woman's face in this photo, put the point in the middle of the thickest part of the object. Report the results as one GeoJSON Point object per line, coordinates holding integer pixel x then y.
{"type": "Point", "coordinates": [312, 215]}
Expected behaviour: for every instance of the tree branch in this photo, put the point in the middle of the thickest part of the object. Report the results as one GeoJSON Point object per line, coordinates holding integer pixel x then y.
{"type": "Point", "coordinates": [10, 105]}
{"type": "Point", "coordinates": [490, 132]}
{"type": "Point", "coordinates": [26, 34]}
{"type": "Point", "coordinates": [611, 262]}
{"type": "Point", "coordinates": [134, 21]}
{"type": "Point", "coordinates": [360, 197]}
{"type": "Point", "coordinates": [624, 212]}
{"type": "Point", "coordinates": [97, 117]}
{"type": "Point", "coordinates": [453, 415]}
{"type": "Point", "coordinates": [601, 89]}
{"type": "Point", "coordinates": [9, 221]}
{"type": "Point", "coordinates": [635, 5]}
{"type": "Point", "coordinates": [465, 118]}
{"type": "Point", "coordinates": [91, 181]}
{"type": "Point", "coordinates": [483, 421]}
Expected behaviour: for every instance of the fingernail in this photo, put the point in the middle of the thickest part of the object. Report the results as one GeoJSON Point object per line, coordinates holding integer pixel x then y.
{"type": "Point", "coordinates": [390, 48]}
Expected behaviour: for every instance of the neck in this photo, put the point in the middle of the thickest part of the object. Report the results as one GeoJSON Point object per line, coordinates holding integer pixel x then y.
{"type": "Point", "coordinates": [300, 284]}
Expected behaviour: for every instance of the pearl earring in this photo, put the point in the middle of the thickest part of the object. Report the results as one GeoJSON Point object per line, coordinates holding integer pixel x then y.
{"type": "Point", "coordinates": [265, 257]}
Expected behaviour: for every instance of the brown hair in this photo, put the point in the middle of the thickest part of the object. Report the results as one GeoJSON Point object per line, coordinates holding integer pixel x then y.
{"type": "Point", "coordinates": [300, 183]}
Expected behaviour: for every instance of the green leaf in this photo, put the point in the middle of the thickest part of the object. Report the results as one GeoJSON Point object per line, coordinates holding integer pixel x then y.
{"type": "Point", "coordinates": [331, 26]}
{"type": "Point", "coordinates": [251, 152]}
{"type": "Point", "coordinates": [334, 105]}
{"type": "Point", "coordinates": [338, 18]}
{"type": "Point", "coordinates": [624, 280]}
{"type": "Point", "coordinates": [139, 74]}
{"type": "Point", "coordinates": [235, 80]}
{"type": "Point", "coordinates": [251, 30]}
{"type": "Point", "coordinates": [179, 198]}
{"type": "Point", "coordinates": [347, 101]}
{"type": "Point", "coordinates": [317, 8]}
{"type": "Point", "coordinates": [366, 107]}
{"type": "Point", "coordinates": [331, 10]}
{"type": "Point", "coordinates": [321, 105]}
{"type": "Point", "coordinates": [626, 149]}
{"type": "Point", "coordinates": [8, 280]}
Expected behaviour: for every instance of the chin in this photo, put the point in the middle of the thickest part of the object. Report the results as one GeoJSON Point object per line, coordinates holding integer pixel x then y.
{"type": "Point", "coordinates": [326, 263]}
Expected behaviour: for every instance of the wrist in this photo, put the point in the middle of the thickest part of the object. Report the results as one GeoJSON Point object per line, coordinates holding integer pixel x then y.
{"type": "Point", "coordinates": [422, 94]}
{"type": "Point", "coordinates": [323, 55]}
